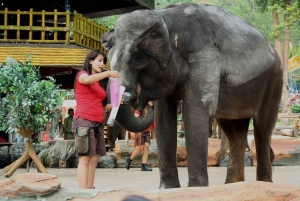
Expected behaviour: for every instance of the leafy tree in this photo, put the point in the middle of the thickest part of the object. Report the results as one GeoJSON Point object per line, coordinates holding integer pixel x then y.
{"type": "Point", "coordinates": [108, 21]}
{"type": "Point", "coordinates": [27, 105]}
{"type": "Point", "coordinates": [289, 10]}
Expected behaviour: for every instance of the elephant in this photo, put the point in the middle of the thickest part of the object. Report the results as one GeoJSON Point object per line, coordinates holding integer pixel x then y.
{"type": "Point", "coordinates": [217, 64]}
{"type": "Point", "coordinates": [116, 131]}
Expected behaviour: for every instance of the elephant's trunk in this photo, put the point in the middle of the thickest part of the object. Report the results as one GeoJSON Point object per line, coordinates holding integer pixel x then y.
{"type": "Point", "coordinates": [127, 120]}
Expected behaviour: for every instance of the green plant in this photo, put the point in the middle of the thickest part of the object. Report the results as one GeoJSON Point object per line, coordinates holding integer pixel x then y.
{"type": "Point", "coordinates": [27, 104]}
{"type": "Point", "coordinates": [295, 108]}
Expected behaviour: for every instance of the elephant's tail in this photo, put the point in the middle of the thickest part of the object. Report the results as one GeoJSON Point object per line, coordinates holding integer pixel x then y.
{"type": "Point", "coordinates": [272, 156]}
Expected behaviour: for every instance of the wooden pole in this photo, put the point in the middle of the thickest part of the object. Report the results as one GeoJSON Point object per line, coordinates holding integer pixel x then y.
{"type": "Point", "coordinates": [43, 25]}
{"type": "Point", "coordinates": [75, 26]}
{"type": "Point", "coordinates": [296, 128]}
{"type": "Point", "coordinates": [55, 24]}
{"type": "Point", "coordinates": [84, 30]}
{"type": "Point", "coordinates": [18, 23]}
{"type": "Point", "coordinates": [30, 23]}
{"type": "Point", "coordinates": [68, 28]}
{"type": "Point", "coordinates": [5, 23]}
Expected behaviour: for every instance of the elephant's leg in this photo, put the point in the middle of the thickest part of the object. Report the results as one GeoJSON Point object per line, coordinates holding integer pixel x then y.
{"type": "Point", "coordinates": [263, 127]}
{"type": "Point", "coordinates": [166, 138]}
{"type": "Point", "coordinates": [197, 127]}
{"type": "Point", "coordinates": [113, 134]}
{"type": "Point", "coordinates": [236, 130]}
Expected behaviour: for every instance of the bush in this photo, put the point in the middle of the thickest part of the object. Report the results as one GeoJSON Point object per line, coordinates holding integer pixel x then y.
{"type": "Point", "coordinates": [295, 108]}
{"type": "Point", "coordinates": [26, 100]}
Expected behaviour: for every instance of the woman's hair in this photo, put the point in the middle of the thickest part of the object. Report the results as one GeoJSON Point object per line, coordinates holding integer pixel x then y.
{"type": "Point", "coordinates": [92, 55]}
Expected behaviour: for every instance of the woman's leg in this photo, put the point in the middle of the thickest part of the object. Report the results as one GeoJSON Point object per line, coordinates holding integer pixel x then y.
{"type": "Point", "coordinates": [83, 171]}
{"type": "Point", "coordinates": [92, 169]}
{"type": "Point", "coordinates": [135, 153]}
{"type": "Point", "coordinates": [145, 152]}
{"type": "Point", "coordinates": [145, 157]}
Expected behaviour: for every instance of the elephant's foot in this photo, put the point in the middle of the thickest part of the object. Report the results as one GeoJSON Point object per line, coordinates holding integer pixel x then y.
{"type": "Point", "coordinates": [194, 182]}
{"type": "Point", "coordinates": [235, 174]}
{"type": "Point", "coordinates": [169, 184]}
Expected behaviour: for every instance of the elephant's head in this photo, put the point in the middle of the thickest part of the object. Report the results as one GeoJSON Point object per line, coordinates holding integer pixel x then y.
{"type": "Point", "coordinates": [142, 54]}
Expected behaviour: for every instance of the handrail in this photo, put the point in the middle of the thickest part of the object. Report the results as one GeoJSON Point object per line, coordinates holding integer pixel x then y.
{"type": "Point", "coordinates": [76, 29]}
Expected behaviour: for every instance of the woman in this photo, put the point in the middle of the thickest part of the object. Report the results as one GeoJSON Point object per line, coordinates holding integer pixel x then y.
{"type": "Point", "coordinates": [141, 144]}
{"type": "Point", "coordinates": [90, 97]}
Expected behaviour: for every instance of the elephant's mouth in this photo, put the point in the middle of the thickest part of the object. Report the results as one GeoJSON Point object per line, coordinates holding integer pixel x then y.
{"type": "Point", "coordinates": [138, 101]}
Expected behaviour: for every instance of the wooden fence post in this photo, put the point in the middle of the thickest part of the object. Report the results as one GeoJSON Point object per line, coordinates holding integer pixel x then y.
{"type": "Point", "coordinates": [30, 23]}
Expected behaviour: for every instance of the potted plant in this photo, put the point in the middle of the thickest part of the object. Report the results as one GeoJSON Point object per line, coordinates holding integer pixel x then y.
{"type": "Point", "coordinates": [27, 104]}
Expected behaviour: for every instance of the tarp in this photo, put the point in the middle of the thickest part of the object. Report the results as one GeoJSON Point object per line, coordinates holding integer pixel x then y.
{"type": "Point", "coordinates": [294, 63]}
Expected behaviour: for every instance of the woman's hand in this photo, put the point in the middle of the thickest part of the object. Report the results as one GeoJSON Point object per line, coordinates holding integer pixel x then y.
{"type": "Point", "coordinates": [114, 74]}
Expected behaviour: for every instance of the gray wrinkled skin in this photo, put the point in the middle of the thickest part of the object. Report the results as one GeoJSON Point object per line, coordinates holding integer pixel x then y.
{"type": "Point", "coordinates": [217, 64]}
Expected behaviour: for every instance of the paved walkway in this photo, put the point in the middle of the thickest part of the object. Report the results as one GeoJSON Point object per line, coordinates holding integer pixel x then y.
{"type": "Point", "coordinates": [134, 179]}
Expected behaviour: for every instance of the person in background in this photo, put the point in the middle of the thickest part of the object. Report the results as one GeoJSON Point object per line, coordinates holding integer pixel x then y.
{"type": "Point", "coordinates": [67, 127]}
{"type": "Point", "coordinates": [142, 144]}
{"type": "Point", "coordinates": [90, 95]}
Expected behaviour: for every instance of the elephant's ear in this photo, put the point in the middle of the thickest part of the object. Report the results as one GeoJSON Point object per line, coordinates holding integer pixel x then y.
{"type": "Point", "coordinates": [155, 43]}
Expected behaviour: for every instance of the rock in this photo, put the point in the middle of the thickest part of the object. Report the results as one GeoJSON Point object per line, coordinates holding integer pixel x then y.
{"type": "Point", "coordinates": [17, 149]}
{"type": "Point", "coordinates": [29, 184]}
{"type": "Point", "coordinates": [15, 152]}
{"type": "Point", "coordinates": [250, 191]}
{"type": "Point", "coordinates": [181, 156]}
{"type": "Point", "coordinates": [287, 132]}
{"type": "Point", "coordinates": [107, 162]}
{"type": "Point", "coordinates": [213, 155]}
{"type": "Point", "coordinates": [248, 160]}
{"type": "Point", "coordinates": [286, 151]}
{"type": "Point", "coordinates": [181, 153]}
{"type": "Point", "coordinates": [60, 155]}
{"type": "Point", "coordinates": [4, 156]}
{"type": "Point", "coordinates": [122, 151]}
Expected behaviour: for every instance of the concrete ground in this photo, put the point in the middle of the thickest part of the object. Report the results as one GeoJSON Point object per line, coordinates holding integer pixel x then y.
{"type": "Point", "coordinates": [134, 179]}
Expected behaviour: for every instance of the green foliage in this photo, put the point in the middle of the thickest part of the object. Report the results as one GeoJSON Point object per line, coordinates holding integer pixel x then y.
{"type": "Point", "coordinates": [108, 22]}
{"type": "Point", "coordinates": [295, 108]}
{"type": "Point", "coordinates": [26, 100]}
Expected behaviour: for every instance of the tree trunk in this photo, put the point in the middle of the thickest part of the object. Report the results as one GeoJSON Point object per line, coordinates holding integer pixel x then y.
{"type": "Point", "coordinates": [285, 90]}
{"type": "Point", "coordinates": [28, 153]}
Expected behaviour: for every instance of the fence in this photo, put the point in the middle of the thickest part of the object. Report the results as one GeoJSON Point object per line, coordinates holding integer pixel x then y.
{"type": "Point", "coordinates": [50, 28]}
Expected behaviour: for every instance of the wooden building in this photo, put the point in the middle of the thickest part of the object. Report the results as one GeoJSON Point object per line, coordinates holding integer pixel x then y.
{"type": "Point", "coordinates": [57, 39]}
{"type": "Point", "coordinates": [57, 34]}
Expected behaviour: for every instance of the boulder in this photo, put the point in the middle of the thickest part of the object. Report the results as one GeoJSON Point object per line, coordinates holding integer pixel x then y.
{"type": "Point", "coordinates": [286, 152]}
{"type": "Point", "coordinates": [29, 184]}
{"type": "Point", "coordinates": [250, 191]}
{"type": "Point", "coordinates": [4, 156]}
{"type": "Point", "coordinates": [60, 155]}
{"type": "Point", "coordinates": [287, 132]}
{"type": "Point", "coordinates": [122, 150]}
{"type": "Point", "coordinates": [181, 156]}
{"type": "Point", "coordinates": [213, 154]}
{"type": "Point", "coordinates": [248, 160]}
{"type": "Point", "coordinates": [109, 161]}
{"type": "Point", "coordinates": [17, 149]}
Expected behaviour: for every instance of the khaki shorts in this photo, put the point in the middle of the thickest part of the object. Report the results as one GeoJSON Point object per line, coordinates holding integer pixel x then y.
{"type": "Point", "coordinates": [97, 145]}
{"type": "Point", "coordinates": [145, 137]}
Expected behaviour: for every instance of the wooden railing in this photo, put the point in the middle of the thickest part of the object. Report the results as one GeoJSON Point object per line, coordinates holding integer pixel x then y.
{"type": "Point", "coordinates": [50, 27]}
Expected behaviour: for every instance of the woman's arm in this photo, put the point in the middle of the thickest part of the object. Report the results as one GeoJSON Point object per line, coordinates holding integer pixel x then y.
{"type": "Point", "coordinates": [107, 107]}
{"type": "Point", "coordinates": [89, 79]}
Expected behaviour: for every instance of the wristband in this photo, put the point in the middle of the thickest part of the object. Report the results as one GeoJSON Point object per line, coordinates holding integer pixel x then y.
{"type": "Point", "coordinates": [137, 112]}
